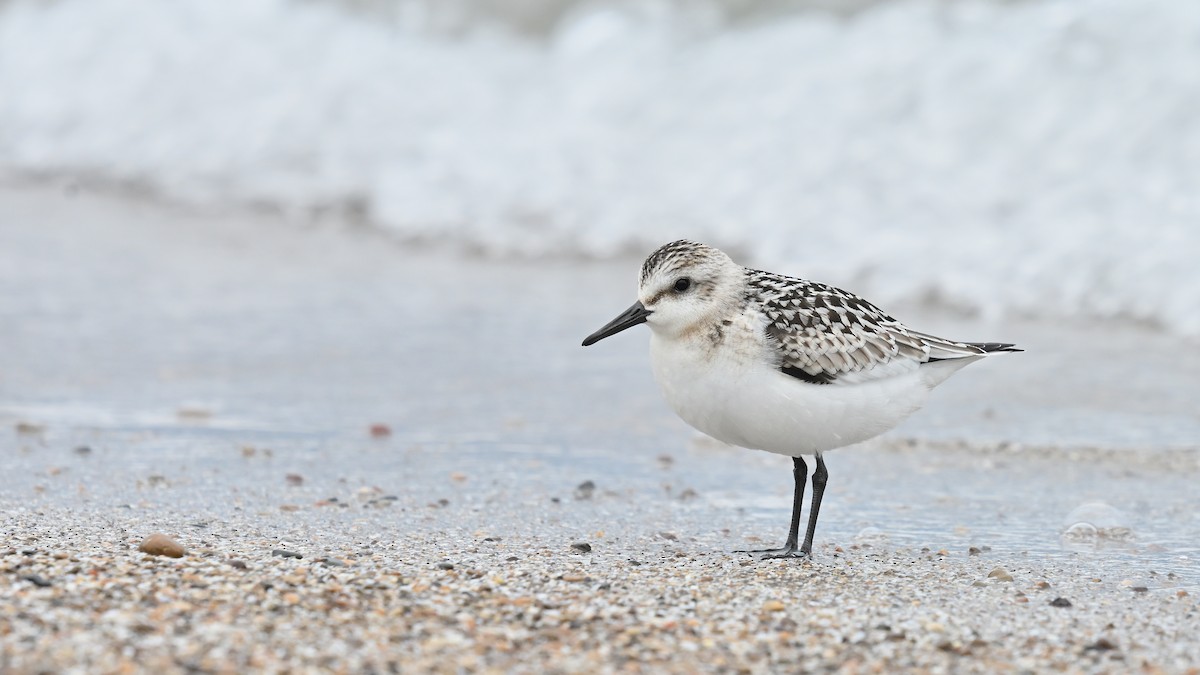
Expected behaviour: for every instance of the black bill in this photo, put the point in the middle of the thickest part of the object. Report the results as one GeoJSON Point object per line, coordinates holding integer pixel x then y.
{"type": "Point", "coordinates": [629, 318]}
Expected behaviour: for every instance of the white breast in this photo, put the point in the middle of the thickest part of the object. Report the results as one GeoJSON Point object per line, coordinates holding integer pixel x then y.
{"type": "Point", "coordinates": [734, 391]}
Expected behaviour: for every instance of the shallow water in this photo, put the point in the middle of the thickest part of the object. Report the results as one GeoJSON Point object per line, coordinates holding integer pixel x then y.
{"type": "Point", "coordinates": [168, 342]}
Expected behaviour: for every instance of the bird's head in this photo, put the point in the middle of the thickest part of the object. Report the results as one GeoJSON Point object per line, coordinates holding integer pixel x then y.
{"type": "Point", "coordinates": [683, 285]}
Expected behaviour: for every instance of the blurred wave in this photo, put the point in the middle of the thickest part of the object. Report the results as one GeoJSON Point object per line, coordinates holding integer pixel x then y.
{"type": "Point", "coordinates": [1035, 158]}
{"type": "Point", "coordinates": [540, 18]}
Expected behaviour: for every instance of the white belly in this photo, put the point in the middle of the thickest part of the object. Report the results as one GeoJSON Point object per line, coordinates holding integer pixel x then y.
{"type": "Point", "coordinates": [741, 398]}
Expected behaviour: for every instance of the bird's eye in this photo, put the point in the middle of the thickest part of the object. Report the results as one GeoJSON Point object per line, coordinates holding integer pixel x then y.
{"type": "Point", "coordinates": [682, 284]}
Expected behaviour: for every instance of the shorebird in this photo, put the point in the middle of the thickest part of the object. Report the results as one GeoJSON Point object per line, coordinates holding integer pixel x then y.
{"type": "Point", "coordinates": [771, 362]}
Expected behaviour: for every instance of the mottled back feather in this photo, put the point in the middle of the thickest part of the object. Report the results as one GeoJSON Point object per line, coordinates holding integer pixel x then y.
{"type": "Point", "coordinates": [829, 336]}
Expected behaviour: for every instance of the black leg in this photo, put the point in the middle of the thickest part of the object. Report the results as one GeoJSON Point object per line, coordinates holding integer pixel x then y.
{"type": "Point", "coordinates": [800, 474]}
{"type": "Point", "coordinates": [820, 477]}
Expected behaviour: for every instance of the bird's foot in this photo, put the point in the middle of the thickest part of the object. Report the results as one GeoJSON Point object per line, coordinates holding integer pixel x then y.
{"type": "Point", "coordinates": [779, 553]}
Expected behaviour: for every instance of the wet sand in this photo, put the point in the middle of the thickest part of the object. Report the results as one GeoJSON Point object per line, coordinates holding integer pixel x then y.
{"type": "Point", "coordinates": [215, 377]}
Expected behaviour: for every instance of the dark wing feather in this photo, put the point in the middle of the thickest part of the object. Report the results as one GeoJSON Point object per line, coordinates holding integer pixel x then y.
{"type": "Point", "coordinates": [829, 336]}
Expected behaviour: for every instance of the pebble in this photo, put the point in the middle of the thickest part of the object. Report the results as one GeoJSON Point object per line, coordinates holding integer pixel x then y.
{"type": "Point", "coordinates": [294, 479]}
{"type": "Point", "coordinates": [773, 606]}
{"type": "Point", "coordinates": [380, 431]}
{"type": "Point", "coordinates": [1101, 645]}
{"type": "Point", "coordinates": [285, 554]}
{"type": "Point", "coordinates": [1000, 574]}
{"type": "Point", "coordinates": [239, 564]}
{"type": "Point", "coordinates": [585, 490]}
{"type": "Point", "coordinates": [445, 565]}
{"type": "Point", "coordinates": [1060, 602]}
{"type": "Point", "coordinates": [36, 580]}
{"type": "Point", "coordinates": [582, 547]}
{"type": "Point", "coordinates": [573, 576]}
{"type": "Point", "coordinates": [161, 544]}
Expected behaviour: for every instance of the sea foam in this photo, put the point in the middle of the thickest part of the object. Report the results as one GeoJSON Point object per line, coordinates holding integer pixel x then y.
{"type": "Point", "coordinates": [1037, 158]}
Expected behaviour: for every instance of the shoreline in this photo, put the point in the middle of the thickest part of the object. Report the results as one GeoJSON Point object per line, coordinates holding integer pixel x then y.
{"type": "Point", "coordinates": [448, 598]}
{"type": "Point", "coordinates": [216, 378]}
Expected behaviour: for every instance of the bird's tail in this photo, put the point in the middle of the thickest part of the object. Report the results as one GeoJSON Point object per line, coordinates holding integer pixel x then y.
{"type": "Point", "coordinates": [941, 349]}
{"type": "Point", "coordinates": [989, 347]}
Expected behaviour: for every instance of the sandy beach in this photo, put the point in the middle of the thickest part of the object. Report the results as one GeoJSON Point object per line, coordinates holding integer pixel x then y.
{"type": "Point", "coordinates": [385, 459]}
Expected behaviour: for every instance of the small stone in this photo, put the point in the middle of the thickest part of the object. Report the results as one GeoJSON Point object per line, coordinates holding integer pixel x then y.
{"type": "Point", "coordinates": [585, 490]}
{"type": "Point", "coordinates": [285, 554]}
{"type": "Point", "coordinates": [1101, 645]}
{"type": "Point", "coordinates": [1000, 574]}
{"type": "Point", "coordinates": [773, 606]}
{"type": "Point", "coordinates": [670, 536]}
{"type": "Point", "coordinates": [1042, 585]}
{"type": "Point", "coordinates": [458, 477]}
{"type": "Point", "coordinates": [332, 562]}
{"type": "Point", "coordinates": [289, 508]}
{"type": "Point", "coordinates": [380, 431]}
{"type": "Point", "coordinates": [445, 565]}
{"type": "Point", "coordinates": [582, 547]}
{"type": "Point", "coordinates": [194, 413]}
{"type": "Point", "coordinates": [83, 450]}
{"type": "Point", "coordinates": [294, 479]}
{"type": "Point", "coordinates": [1181, 594]}
{"type": "Point", "coordinates": [974, 550]}
{"type": "Point", "coordinates": [573, 577]}
{"type": "Point", "coordinates": [688, 494]}
{"type": "Point", "coordinates": [29, 428]}
{"type": "Point", "coordinates": [1060, 602]}
{"type": "Point", "coordinates": [161, 544]}
{"type": "Point", "coordinates": [239, 564]}
{"type": "Point", "coordinates": [1140, 589]}
{"type": "Point", "coordinates": [36, 580]}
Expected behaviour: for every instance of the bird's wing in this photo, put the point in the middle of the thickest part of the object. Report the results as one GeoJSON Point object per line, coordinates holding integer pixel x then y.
{"type": "Point", "coordinates": [825, 335]}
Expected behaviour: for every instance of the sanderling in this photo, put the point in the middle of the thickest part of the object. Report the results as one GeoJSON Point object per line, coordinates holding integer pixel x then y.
{"type": "Point", "coordinates": [774, 363]}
